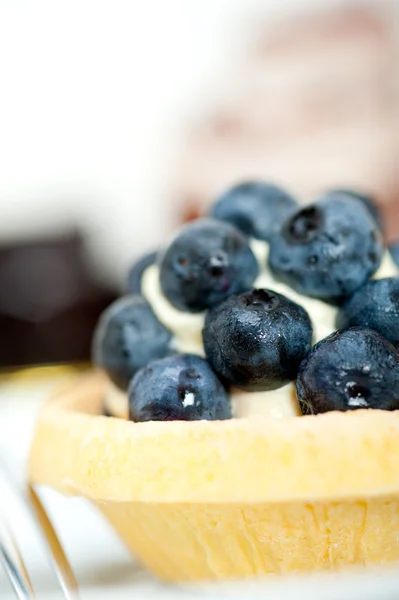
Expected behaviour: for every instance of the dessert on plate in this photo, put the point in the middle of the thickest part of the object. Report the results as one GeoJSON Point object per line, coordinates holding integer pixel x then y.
{"type": "Point", "coordinates": [244, 414]}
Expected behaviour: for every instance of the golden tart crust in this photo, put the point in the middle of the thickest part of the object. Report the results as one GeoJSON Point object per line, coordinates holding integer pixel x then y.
{"type": "Point", "coordinates": [214, 500]}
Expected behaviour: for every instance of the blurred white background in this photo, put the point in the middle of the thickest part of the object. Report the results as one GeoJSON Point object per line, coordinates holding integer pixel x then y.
{"type": "Point", "coordinates": [94, 97]}
{"type": "Point", "coordinates": [91, 93]}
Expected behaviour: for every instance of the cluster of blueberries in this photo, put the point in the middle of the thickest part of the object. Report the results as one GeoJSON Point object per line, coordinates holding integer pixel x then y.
{"type": "Point", "coordinates": [258, 339]}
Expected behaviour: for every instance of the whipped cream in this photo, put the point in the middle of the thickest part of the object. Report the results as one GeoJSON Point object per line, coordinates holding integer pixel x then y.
{"type": "Point", "coordinates": [187, 336]}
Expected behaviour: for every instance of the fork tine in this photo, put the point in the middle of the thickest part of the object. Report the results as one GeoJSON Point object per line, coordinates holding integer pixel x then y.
{"type": "Point", "coordinates": [14, 565]}
{"type": "Point", "coordinates": [46, 536]}
{"type": "Point", "coordinates": [59, 561]}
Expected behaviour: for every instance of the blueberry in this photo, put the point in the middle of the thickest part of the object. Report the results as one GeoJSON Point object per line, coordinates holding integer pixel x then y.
{"type": "Point", "coordinates": [255, 207]}
{"type": "Point", "coordinates": [206, 262]}
{"type": "Point", "coordinates": [128, 336]}
{"type": "Point", "coordinates": [178, 388]}
{"type": "Point", "coordinates": [394, 250]}
{"type": "Point", "coordinates": [368, 201]}
{"type": "Point", "coordinates": [257, 340]}
{"type": "Point", "coordinates": [327, 250]}
{"type": "Point", "coordinates": [137, 270]}
{"type": "Point", "coordinates": [350, 369]}
{"type": "Point", "coordinates": [376, 306]}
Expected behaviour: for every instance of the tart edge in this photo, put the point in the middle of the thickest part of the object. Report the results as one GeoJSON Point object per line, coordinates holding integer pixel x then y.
{"type": "Point", "coordinates": [327, 457]}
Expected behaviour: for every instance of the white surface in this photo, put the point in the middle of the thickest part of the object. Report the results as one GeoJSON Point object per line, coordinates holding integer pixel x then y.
{"type": "Point", "coordinates": [103, 567]}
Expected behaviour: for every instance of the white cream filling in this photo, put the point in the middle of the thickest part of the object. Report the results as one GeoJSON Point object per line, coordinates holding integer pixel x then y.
{"type": "Point", "coordinates": [186, 327]}
{"type": "Point", "coordinates": [187, 336]}
{"type": "Point", "coordinates": [387, 267]}
{"type": "Point", "coordinates": [116, 402]}
{"type": "Point", "coordinates": [277, 404]}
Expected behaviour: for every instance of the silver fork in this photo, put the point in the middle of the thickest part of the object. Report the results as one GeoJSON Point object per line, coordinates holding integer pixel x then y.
{"type": "Point", "coordinates": [11, 557]}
